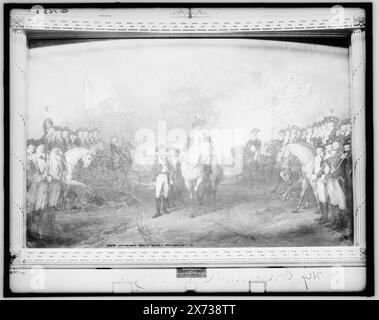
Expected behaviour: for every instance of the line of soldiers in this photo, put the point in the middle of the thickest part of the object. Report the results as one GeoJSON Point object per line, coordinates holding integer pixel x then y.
{"type": "Point", "coordinates": [46, 167]}
{"type": "Point", "coordinates": [65, 139]}
{"type": "Point", "coordinates": [319, 132]}
{"type": "Point", "coordinates": [332, 169]}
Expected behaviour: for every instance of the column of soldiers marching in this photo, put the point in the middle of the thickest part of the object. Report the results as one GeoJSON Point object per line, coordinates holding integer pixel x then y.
{"type": "Point", "coordinates": [332, 169]}
{"type": "Point", "coordinates": [46, 167]}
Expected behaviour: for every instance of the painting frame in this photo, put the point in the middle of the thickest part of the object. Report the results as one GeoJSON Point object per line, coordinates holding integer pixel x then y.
{"type": "Point", "coordinates": [58, 22]}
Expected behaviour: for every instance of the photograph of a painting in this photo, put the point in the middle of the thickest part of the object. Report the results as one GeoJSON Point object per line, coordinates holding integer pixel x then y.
{"type": "Point", "coordinates": [188, 143]}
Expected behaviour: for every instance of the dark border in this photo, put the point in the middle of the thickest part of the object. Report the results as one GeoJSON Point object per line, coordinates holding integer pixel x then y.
{"type": "Point", "coordinates": [367, 6]}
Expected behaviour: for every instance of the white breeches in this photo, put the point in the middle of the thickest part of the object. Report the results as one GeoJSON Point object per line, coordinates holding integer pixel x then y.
{"type": "Point", "coordinates": [40, 202]}
{"type": "Point", "coordinates": [321, 191]}
{"type": "Point", "coordinates": [336, 195]}
{"type": "Point", "coordinates": [31, 196]}
{"type": "Point", "coordinates": [53, 193]}
{"type": "Point", "coordinates": [162, 186]}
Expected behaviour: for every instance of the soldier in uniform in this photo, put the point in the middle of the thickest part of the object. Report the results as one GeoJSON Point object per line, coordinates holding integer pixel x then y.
{"type": "Point", "coordinates": [115, 152]}
{"type": "Point", "coordinates": [73, 140]}
{"type": "Point", "coordinates": [94, 136]}
{"type": "Point", "coordinates": [66, 138]}
{"type": "Point", "coordinates": [281, 135]}
{"type": "Point", "coordinates": [32, 176]}
{"type": "Point", "coordinates": [348, 187]}
{"type": "Point", "coordinates": [59, 142]}
{"type": "Point", "coordinates": [49, 139]}
{"type": "Point", "coordinates": [318, 178]}
{"type": "Point", "coordinates": [253, 151]}
{"type": "Point", "coordinates": [308, 137]}
{"type": "Point", "coordinates": [47, 124]}
{"type": "Point", "coordinates": [80, 140]}
{"type": "Point", "coordinates": [43, 170]}
{"type": "Point", "coordinates": [287, 136]}
{"type": "Point", "coordinates": [254, 144]}
{"type": "Point", "coordinates": [56, 171]}
{"type": "Point", "coordinates": [162, 181]}
{"type": "Point", "coordinates": [334, 185]}
{"type": "Point", "coordinates": [303, 135]}
{"type": "Point", "coordinates": [86, 140]}
{"type": "Point", "coordinates": [346, 131]}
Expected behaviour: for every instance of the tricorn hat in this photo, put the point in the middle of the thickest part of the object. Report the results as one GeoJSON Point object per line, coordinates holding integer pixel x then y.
{"type": "Point", "coordinates": [254, 130]}
{"type": "Point", "coordinates": [331, 119]}
{"type": "Point", "coordinates": [31, 142]}
{"type": "Point", "coordinates": [319, 145]}
{"type": "Point", "coordinates": [198, 122]}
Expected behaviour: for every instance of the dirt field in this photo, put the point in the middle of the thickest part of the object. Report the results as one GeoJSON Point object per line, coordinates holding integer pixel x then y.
{"type": "Point", "coordinates": [239, 217]}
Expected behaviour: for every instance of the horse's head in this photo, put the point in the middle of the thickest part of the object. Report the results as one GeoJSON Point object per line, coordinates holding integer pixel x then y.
{"type": "Point", "coordinates": [87, 159]}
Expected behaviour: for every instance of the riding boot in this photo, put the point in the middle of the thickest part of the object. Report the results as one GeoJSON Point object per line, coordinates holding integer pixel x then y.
{"type": "Point", "coordinates": [164, 207]}
{"type": "Point", "coordinates": [348, 231]}
{"type": "Point", "coordinates": [339, 220]}
{"type": "Point", "coordinates": [322, 213]}
{"type": "Point", "coordinates": [331, 217]}
{"type": "Point", "coordinates": [326, 213]}
{"type": "Point", "coordinates": [335, 223]}
{"type": "Point", "coordinates": [158, 206]}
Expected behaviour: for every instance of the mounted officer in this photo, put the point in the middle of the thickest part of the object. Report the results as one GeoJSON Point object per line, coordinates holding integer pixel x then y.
{"type": "Point", "coordinates": [201, 139]}
{"type": "Point", "coordinates": [254, 144]}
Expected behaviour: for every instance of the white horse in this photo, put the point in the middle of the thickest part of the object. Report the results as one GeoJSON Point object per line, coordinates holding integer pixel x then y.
{"type": "Point", "coordinates": [306, 155]}
{"type": "Point", "coordinates": [72, 157]}
{"type": "Point", "coordinates": [192, 163]}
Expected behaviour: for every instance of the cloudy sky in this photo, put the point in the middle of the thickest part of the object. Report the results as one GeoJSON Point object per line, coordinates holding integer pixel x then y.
{"type": "Point", "coordinates": [121, 86]}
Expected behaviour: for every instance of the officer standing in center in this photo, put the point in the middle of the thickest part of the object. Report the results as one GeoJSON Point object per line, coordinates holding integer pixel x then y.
{"type": "Point", "coordinates": [162, 181]}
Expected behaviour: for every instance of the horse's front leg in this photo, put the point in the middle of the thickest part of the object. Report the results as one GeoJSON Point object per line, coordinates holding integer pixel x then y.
{"type": "Point", "coordinates": [192, 198]}
{"type": "Point", "coordinates": [196, 189]}
{"type": "Point", "coordinates": [277, 185]}
{"type": "Point", "coordinates": [304, 186]}
{"type": "Point", "coordinates": [285, 195]}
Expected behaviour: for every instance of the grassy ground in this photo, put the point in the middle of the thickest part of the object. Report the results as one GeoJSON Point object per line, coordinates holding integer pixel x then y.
{"type": "Point", "coordinates": [239, 217]}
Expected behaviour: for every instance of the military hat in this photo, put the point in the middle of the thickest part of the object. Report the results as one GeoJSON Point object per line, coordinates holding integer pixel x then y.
{"type": "Point", "coordinates": [347, 140]}
{"type": "Point", "coordinates": [31, 142]}
{"type": "Point", "coordinates": [336, 144]}
{"type": "Point", "coordinates": [254, 130]}
{"type": "Point", "coordinates": [198, 121]}
{"type": "Point", "coordinates": [319, 145]}
{"type": "Point", "coordinates": [38, 142]}
{"type": "Point", "coordinates": [332, 119]}
{"type": "Point", "coordinates": [48, 122]}
{"type": "Point", "coordinates": [345, 122]}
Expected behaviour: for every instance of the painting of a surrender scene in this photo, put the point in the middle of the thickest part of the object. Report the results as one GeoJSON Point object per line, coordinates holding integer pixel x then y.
{"type": "Point", "coordinates": [190, 143]}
